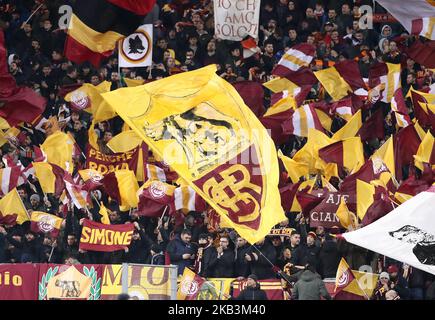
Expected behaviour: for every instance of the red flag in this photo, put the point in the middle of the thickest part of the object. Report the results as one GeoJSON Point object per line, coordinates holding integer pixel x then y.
{"type": "Point", "coordinates": [3, 62]}
{"type": "Point", "coordinates": [379, 208]}
{"type": "Point", "coordinates": [20, 104]}
{"type": "Point", "coordinates": [373, 127]}
{"type": "Point", "coordinates": [105, 237]}
{"type": "Point", "coordinates": [288, 194]}
{"type": "Point", "coordinates": [297, 57]}
{"type": "Point", "coordinates": [139, 7]}
{"type": "Point", "coordinates": [154, 197]}
{"type": "Point", "coordinates": [406, 143]}
{"type": "Point", "coordinates": [252, 94]}
{"type": "Point", "coordinates": [371, 170]}
{"type": "Point", "coordinates": [308, 201]}
{"type": "Point", "coordinates": [423, 53]}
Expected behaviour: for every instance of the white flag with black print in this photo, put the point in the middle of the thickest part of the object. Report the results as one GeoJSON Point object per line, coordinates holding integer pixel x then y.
{"type": "Point", "coordinates": [406, 234]}
{"type": "Point", "coordinates": [136, 50]}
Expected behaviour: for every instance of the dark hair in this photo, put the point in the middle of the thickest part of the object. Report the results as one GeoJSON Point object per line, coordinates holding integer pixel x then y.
{"type": "Point", "coordinates": [186, 231]}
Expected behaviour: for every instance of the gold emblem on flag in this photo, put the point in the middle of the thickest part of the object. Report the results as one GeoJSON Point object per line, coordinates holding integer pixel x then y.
{"type": "Point", "coordinates": [235, 179]}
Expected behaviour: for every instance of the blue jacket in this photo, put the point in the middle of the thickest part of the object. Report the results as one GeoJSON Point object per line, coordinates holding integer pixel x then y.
{"type": "Point", "coordinates": [176, 248]}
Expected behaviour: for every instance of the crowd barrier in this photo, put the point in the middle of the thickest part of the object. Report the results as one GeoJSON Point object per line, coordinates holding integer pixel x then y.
{"type": "Point", "coordinates": [106, 282]}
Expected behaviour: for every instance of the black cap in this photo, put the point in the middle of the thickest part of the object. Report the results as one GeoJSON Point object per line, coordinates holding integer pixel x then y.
{"type": "Point", "coordinates": [253, 277]}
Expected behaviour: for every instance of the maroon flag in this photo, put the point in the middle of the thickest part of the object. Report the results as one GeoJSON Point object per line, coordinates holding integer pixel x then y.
{"type": "Point", "coordinates": [274, 124]}
{"type": "Point", "coordinates": [349, 71]}
{"type": "Point", "coordinates": [379, 208]}
{"type": "Point", "coordinates": [154, 197]}
{"type": "Point", "coordinates": [296, 58]}
{"type": "Point", "coordinates": [324, 214]}
{"type": "Point", "coordinates": [373, 127]}
{"type": "Point", "coordinates": [252, 94]}
{"type": "Point", "coordinates": [406, 143]}
{"type": "Point", "coordinates": [288, 194]}
{"type": "Point", "coordinates": [17, 104]}
{"type": "Point", "coordinates": [105, 237]}
{"type": "Point", "coordinates": [308, 201]}
{"type": "Point", "coordinates": [3, 62]}
{"type": "Point", "coordinates": [423, 53]}
{"type": "Point", "coordinates": [371, 170]}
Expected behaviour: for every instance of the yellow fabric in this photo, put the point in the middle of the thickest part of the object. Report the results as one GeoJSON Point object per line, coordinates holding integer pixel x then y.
{"type": "Point", "coordinates": [386, 154]}
{"type": "Point", "coordinates": [4, 125]}
{"type": "Point", "coordinates": [128, 186]}
{"type": "Point", "coordinates": [92, 137]}
{"type": "Point", "coordinates": [393, 69]}
{"type": "Point", "coordinates": [354, 286]}
{"type": "Point", "coordinates": [155, 105]}
{"type": "Point", "coordinates": [36, 216]}
{"type": "Point", "coordinates": [124, 141]}
{"type": "Point", "coordinates": [424, 151]}
{"type": "Point", "coordinates": [347, 219]}
{"type": "Point", "coordinates": [133, 82]}
{"type": "Point", "coordinates": [104, 214]}
{"type": "Point", "coordinates": [186, 281]}
{"type": "Point", "coordinates": [58, 148]}
{"type": "Point", "coordinates": [44, 174]}
{"type": "Point", "coordinates": [94, 40]}
{"type": "Point", "coordinates": [282, 105]}
{"type": "Point", "coordinates": [294, 169]}
{"type": "Point", "coordinates": [402, 197]}
{"type": "Point", "coordinates": [353, 154]}
{"type": "Point", "coordinates": [333, 83]}
{"type": "Point", "coordinates": [366, 281]}
{"type": "Point", "coordinates": [325, 120]}
{"type": "Point", "coordinates": [140, 169]}
{"type": "Point", "coordinates": [309, 153]}
{"type": "Point", "coordinates": [419, 129]}
{"type": "Point", "coordinates": [280, 84]}
{"type": "Point", "coordinates": [100, 110]}
{"type": "Point", "coordinates": [11, 133]}
{"type": "Point", "coordinates": [12, 204]}
{"type": "Point", "coordinates": [350, 129]}
{"type": "Point", "coordinates": [364, 197]}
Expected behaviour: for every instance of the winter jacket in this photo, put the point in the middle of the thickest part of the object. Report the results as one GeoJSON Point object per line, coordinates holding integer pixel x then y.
{"type": "Point", "coordinates": [209, 256]}
{"type": "Point", "coordinates": [252, 294]}
{"type": "Point", "coordinates": [176, 248]}
{"type": "Point", "coordinates": [223, 266]}
{"type": "Point", "coordinates": [307, 255]}
{"type": "Point", "coordinates": [30, 250]}
{"type": "Point", "coordinates": [241, 268]}
{"type": "Point", "coordinates": [262, 268]}
{"type": "Point", "coordinates": [310, 287]}
{"type": "Point", "coordinates": [329, 259]}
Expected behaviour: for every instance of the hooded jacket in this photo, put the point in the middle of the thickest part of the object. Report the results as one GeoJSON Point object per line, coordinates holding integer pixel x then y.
{"type": "Point", "coordinates": [310, 287]}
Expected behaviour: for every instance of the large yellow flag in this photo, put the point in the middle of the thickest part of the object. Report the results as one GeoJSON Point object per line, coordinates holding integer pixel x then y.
{"type": "Point", "coordinates": [104, 214]}
{"type": "Point", "coordinates": [425, 152]}
{"type": "Point", "coordinates": [11, 204]}
{"type": "Point", "coordinates": [364, 197]}
{"type": "Point", "coordinates": [294, 169]}
{"type": "Point", "coordinates": [59, 150]}
{"type": "Point", "coordinates": [200, 126]}
{"type": "Point", "coordinates": [347, 219]}
{"type": "Point", "coordinates": [350, 129]}
{"type": "Point", "coordinates": [124, 141]}
{"type": "Point", "coordinates": [88, 98]}
{"type": "Point", "coordinates": [386, 154]}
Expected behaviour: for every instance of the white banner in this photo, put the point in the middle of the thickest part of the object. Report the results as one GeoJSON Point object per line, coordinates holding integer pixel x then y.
{"type": "Point", "coordinates": [235, 19]}
{"type": "Point", "coordinates": [406, 234]}
{"type": "Point", "coordinates": [136, 50]}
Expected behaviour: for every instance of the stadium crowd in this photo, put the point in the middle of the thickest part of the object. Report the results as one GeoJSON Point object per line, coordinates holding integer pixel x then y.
{"type": "Point", "coordinates": [184, 41]}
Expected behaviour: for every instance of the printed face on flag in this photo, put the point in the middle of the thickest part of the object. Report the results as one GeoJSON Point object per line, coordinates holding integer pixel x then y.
{"type": "Point", "coordinates": [198, 124]}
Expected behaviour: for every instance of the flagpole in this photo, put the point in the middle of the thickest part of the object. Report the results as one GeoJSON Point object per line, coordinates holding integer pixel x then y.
{"type": "Point", "coordinates": [33, 13]}
{"type": "Point", "coordinates": [51, 253]}
{"type": "Point", "coordinates": [279, 272]}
